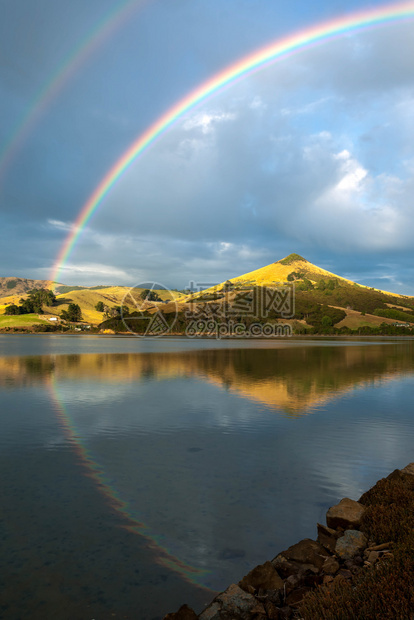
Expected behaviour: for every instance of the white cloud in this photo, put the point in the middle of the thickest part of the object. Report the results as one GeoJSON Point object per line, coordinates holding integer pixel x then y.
{"type": "Point", "coordinates": [257, 103]}
{"type": "Point", "coordinates": [95, 269]}
{"type": "Point", "coordinates": [207, 120]}
{"type": "Point", "coordinates": [353, 174]}
{"type": "Point", "coordinates": [64, 226]}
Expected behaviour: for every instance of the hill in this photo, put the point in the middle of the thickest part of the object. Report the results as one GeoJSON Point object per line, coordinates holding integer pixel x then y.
{"type": "Point", "coordinates": [87, 299]}
{"type": "Point", "coordinates": [320, 302]}
{"type": "Point", "coordinates": [20, 286]}
{"type": "Point", "coordinates": [322, 299]}
{"type": "Point", "coordinates": [292, 268]}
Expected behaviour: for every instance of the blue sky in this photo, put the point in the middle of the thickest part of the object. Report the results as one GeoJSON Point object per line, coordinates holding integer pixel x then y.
{"type": "Point", "coordinates": [313, 154]}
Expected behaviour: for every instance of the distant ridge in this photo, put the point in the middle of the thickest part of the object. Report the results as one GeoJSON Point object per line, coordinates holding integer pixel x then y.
{"type": "Point", "coordinates": [20, 286]}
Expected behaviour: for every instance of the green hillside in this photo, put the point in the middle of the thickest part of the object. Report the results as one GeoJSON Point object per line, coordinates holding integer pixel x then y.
{"type": "Point", "coordinates": [320, 302]}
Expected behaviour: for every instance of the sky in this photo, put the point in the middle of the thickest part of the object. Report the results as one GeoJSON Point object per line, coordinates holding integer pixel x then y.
{"type": "Point", "coordinates": [313, 154]}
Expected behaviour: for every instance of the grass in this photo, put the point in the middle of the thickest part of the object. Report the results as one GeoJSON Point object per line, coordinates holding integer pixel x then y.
{"type": "Point", "coordinates": [21, 320]}
{"type": "Point", "coordinates": [355, 319]}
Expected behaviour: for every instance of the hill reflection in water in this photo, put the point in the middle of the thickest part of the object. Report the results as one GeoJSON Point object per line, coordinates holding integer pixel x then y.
{"type": "Point", "coordinates": [291, 380]}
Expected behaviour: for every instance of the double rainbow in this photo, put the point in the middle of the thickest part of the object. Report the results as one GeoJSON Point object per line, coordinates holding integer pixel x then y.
{"type": "Point", "coordinates": [258, 60]}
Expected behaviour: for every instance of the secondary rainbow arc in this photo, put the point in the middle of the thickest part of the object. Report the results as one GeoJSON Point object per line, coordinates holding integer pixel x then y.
{"type": "Point", "coordinates": [242, 68]}
{"type": "Point", "coordinates": [67, 68]}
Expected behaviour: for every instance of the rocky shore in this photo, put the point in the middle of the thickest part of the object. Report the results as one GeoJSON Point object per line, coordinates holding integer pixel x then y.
{"type": "Point", "coordinates": [311, 578]}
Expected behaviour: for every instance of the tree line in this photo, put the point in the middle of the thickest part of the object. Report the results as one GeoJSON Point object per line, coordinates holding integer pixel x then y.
{"type": "Point", "coordinates": [34, 302]}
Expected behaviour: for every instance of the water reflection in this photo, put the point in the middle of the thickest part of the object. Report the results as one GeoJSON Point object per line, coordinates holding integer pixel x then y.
{"type": "Point", "coordinates": [203, 459]}
{"type": "Point", "coordinates": [293, 380]}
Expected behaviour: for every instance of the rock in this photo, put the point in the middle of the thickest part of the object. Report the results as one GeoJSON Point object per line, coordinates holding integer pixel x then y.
{"type": "Point", "coordinates": [234, 603]}
{"type": "Point", "coordinates": [383, 547]}
{"type": "Point", "coordinates": [306, 552]}
{"type": "Point", "coordinates": [274, 596]}
{"type": "Point", "coordinates": [353, 566]}
{"type": "Point", "coordinates": [296, 596]}
{"type": "Point", "coordinates": [263, 576]}
{"type": "Point", "coordinates": [285, 568]}
{"type": "Point", "coordinates": [330, 566]}
{"type": "Point", "coordinates": [409, 469]}
{"type": "Point", "coordinates": [373, 557]}
{"type": "Point", "coordinates": [310, 578]}
{"type": "Point", "coordinates": [347, 514]}
{"type": "Point", "coordinates": [184, 613]}
{"type": "Point", "coordinates": [350, 544]}
{"type": "Point", "coordinates": [272, 612]}
{"type": "Point", "coordinates": [327, 537]}
{"type": "Point", "coordinates": [292, 582]}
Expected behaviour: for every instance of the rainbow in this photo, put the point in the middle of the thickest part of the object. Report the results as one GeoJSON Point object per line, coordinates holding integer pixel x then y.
{"type": "Point", "coordinates": [43, 99]}
{"type": "Point", "coordinates": [257, 60]}
{"type": "Point", "coordinates": [93, 470]}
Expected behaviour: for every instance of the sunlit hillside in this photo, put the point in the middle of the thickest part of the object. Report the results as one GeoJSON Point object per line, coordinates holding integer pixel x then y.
{"type": "Point", "coordinates": [112, 296]}
{"type": "Point", "coordinates": [86, 298]}
{"type": "Point", "coordinates": [289, 269]}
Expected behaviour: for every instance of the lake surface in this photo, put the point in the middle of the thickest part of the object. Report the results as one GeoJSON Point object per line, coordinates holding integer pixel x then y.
{"type": "Point", "coordinates": [138, 474]}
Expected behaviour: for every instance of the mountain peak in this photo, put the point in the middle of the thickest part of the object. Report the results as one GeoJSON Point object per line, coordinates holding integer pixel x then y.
{"type": "Point", "coordinates": [292, 258]}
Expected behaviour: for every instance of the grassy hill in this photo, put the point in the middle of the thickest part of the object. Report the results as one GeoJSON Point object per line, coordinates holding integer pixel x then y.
{"type": "Point", "coordinates": [17, 287]}
{"type": "Point", "coordinates": [324, 302]}
{"type": "Point", "coordinates": [321, 297]}
{"type": "Point", "coordinates": [292, 268]}
{"type": "Point", "coordinates": [279, 272]}
{"type": "Point", "coordinates": [86, 298]}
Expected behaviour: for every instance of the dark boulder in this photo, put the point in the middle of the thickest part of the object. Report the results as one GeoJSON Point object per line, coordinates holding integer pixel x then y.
{"type": "Point", "coordinates": [234, 603]}
{"type": "Point", "coordinates": [347, 514]}
{"type": "Point", "coordinates": [263, 576]}
{"type": "Point", "coordinates": [184, 613]}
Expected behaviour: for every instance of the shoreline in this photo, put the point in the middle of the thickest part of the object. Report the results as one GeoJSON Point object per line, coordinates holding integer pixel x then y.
{"type": "Point", "coordinates": [344, 573]}
{"type": "Point", "coordinates": [180, 336]}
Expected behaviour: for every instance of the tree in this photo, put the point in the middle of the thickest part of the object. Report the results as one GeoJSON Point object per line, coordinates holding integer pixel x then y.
{"type": "Point", "coordinates": [100, 306]}
{"type": "Point", "coordinates": [73, 313]}
{"type": "Point", "coordinates": [326, 321]}
{"type": "Point", "coordinates": [35, 300]}
{"type": "Point", "coordinates": [39, 296]}
{"type": "Point", "coordinates": [148, 295]}
{"type": "Point", "coordinates": [12, 309]}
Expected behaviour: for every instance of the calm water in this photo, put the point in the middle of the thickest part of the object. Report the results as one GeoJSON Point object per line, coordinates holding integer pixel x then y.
{"type": "Point", "coordinates": [137, 475]}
